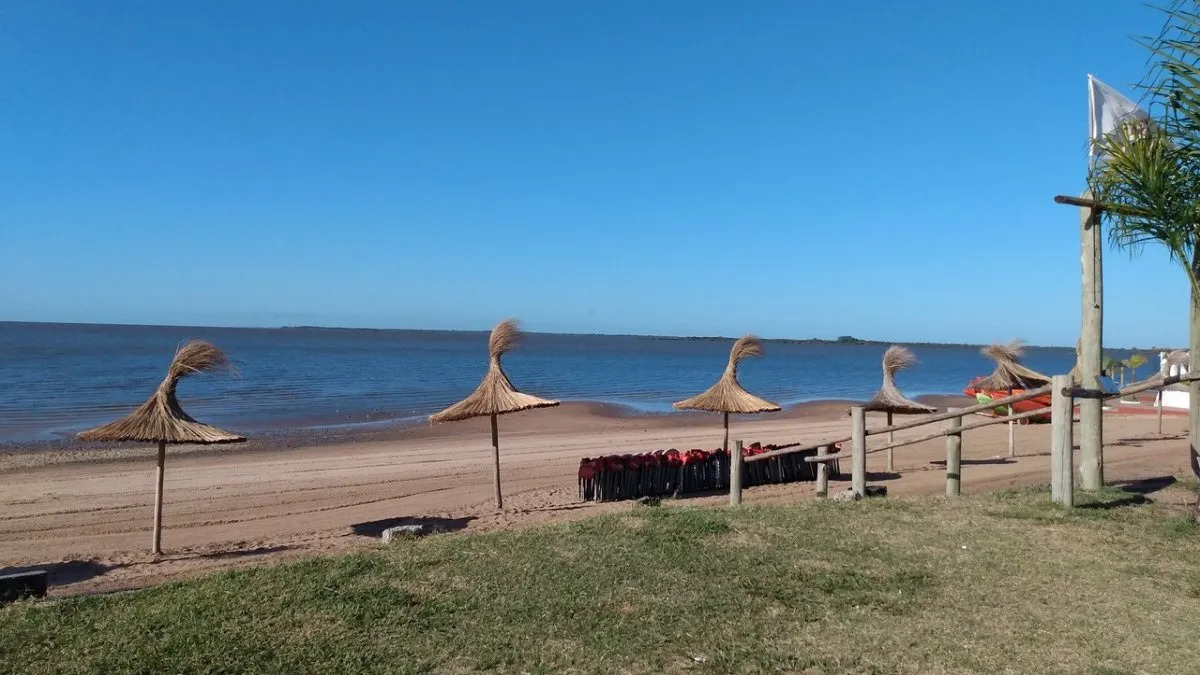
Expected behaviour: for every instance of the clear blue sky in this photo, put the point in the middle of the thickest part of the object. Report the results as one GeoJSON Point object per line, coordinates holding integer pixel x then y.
{"type": "Point", "coordinates": [796, 169]}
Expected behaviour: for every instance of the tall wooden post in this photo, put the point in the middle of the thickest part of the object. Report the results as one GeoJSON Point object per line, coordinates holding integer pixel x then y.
{"type": "Point", "coordinates": [822, 473]}
{"type": "Point", "coordinates": [1062, 441]}
{"type": "Point", "coordinates": [735, 475]}
{"type": "Point", "coordinates": [725, 443]}
{"type": "Point", "coordinates": [496, 463]}
{"type": "Point", "coordinates": [1091, 410]}
{"type": "Point", "coordinates": [953, 455]}
{"type": "Point", "coordinates": [1194, 386]}
{"type": "Point", "coordinates": [858, 440]}
{"type": "Point", "coordinates": [891, 439]}
{"type": "Point", "coordinates": [156, 547]}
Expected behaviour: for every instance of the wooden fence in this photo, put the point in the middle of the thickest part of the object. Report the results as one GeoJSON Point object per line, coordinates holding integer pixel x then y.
{"type": "Point", "coordinates": [1062, 418]}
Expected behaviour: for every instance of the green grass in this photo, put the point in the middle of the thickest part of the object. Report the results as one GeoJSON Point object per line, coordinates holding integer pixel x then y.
{"type": "Point", "coordinates": [996, 584]}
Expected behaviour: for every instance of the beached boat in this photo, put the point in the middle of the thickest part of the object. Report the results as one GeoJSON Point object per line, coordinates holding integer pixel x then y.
{"type": "Point", "coordinates": [988, 395]}
{"type": "Point", "coordinates": [1010, 379]}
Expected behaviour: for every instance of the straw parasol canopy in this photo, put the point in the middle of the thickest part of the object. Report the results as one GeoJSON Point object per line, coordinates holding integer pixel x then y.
{"type": "Point", "coordinates": [889, 399]}
{"type": "Point", "coordinates": [1178, 357]}
{"type": "Point", "coordinates": [1009, 373]}
{"type": "Point", "coordinates": [727, 395]}
{"type": "Point", "coordinates": [495, 395]}
{"type": "Point", "coordinates": [162, 420]}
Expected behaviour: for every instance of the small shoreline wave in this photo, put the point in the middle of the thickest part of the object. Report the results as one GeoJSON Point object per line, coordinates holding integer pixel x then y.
{"type": "Point", "coordinates": [322, 432]}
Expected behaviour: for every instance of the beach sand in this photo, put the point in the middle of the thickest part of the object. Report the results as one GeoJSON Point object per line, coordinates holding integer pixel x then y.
{"type": "Point", "coordinates": [86, 513]}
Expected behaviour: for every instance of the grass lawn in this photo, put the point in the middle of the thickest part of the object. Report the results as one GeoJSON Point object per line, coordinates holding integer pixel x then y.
{"type": "Point", "coordinates": [991, 584]}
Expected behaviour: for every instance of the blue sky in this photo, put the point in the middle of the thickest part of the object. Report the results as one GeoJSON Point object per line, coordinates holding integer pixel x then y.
{"type": "Point", "coordinates": [795, 169]}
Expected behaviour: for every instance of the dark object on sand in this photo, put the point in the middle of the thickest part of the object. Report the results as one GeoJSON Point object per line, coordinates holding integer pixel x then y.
{"type": "Point", "coordinates": [21, 585]}
{"type": "Point", "coordinates": [665, 473]}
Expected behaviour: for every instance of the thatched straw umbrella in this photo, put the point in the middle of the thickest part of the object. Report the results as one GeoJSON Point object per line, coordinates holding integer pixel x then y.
{"type": "Point", "coordinates": [1178, 357]}
{"type": "Point", "coordinates": [1009, 373]}
{"type": "Point", "coordinates": [161, 420]}
{"type": "Point", "coordinates": [495, 395]}
{"type": "Point", "coordinates": [889, 399]}
{"type": "Point", "coordinates": [727, 395]}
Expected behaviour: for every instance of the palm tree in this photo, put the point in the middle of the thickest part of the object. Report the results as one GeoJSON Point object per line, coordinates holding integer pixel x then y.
{"type": "Point", "coordinates": [1150, 179]}
{"type": "Point", "coordinates": [1109, 365]}
{"type": "Point", "coordinates": [1134, 362]}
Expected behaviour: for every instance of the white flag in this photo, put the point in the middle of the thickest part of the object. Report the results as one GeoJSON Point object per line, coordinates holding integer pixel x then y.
{"type": "Point", "coordinates": [1109, 112]}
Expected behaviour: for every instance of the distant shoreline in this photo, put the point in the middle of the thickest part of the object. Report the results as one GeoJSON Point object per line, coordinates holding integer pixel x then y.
{"type": "Point", "coordinates": [846, 340]}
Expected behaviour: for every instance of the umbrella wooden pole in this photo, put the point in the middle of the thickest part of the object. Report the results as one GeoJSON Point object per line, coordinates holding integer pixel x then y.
{"type": "Point", "coordinates": [891, 439]}
{"type": "Point", "coordinates": [496, 462]}
{"type": "Point", "coordinates": [1012, 433]}
{"type": "Point", "coordinates": [158, 499]}
{"type": "Point", "coordinates": [725, 444]}
{"type": "Point", "coordinates": [1158, 405]}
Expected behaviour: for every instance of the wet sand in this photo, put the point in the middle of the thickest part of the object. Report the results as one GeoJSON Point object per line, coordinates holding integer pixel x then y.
{"type": "Point", "coordinates": [87, 512]}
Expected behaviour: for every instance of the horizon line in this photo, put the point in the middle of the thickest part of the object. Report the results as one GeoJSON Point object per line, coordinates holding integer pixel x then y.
{"type": "Point", "coordinates": [853, 340]}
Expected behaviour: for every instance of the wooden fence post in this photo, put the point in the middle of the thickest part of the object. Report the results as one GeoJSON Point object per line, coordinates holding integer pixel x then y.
{"type": "Point", "coordinates": [953, 455]}
{"type": "Point", "coordinates": [858, 439]}
{"type": "Point", "coordinates": [822, 473]}
{"type": "Point", "coordinates": [735, 475]}
{"type": "Point", "coordinates": [1062, 474]}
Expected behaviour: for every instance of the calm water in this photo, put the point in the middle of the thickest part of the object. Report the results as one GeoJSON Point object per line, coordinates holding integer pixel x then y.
{"type": "Point", "coordinates": [56, 379]}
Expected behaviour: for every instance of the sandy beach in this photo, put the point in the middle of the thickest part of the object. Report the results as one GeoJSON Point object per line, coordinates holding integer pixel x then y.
{"type": "Point", "coordinates": [86, 512]}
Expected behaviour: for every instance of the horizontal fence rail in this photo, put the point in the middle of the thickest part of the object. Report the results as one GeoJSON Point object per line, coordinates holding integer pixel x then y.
{"type": "Point", "coordinates": [921, 439]}
{"type": "Point", "coordinates": [922, 421]}
{"type": "Point", "coordinates": [795, 447]}
{"type": "Point", "coordinates": [978, 408]}
{"type": "Point", "coordinates": [1081, 392]}
{"type": "Point", "coordinates": [981, 407]}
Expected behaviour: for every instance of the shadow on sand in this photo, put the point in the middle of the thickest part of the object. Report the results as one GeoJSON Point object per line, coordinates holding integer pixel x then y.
{"type": "Point", "coordinates": [375, 528]}
{"type": "Point", "coordinates": [1146, 486]}
{"type": "Point", "coordinates": [976, 462]}
{"type": "Point", "coordinates": [67, 572]}
{"type": "Point", "coordinates": [1136, 492]}
{"type": "Point", "coordinates": [242, 553]}
{"type": "Point", "coordinates": [75, 571]}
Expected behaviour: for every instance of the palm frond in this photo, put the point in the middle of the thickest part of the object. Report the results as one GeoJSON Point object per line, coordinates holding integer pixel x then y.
{"type": "Point", "coordinates": [1157, 182]}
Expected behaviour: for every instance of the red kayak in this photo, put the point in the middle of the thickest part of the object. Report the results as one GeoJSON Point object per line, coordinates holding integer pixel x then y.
{"type": "Point", "coordinates": [987, 396]}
